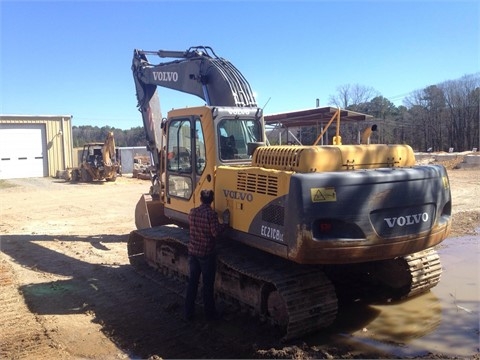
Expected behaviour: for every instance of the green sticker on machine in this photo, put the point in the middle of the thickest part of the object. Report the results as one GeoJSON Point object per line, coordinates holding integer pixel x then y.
{"type": "Point", "coordinates": [323, 194]}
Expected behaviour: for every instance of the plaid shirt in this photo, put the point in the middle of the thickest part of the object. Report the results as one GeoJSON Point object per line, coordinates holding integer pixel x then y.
{"type": "Point", "coordinates": [204, 228]}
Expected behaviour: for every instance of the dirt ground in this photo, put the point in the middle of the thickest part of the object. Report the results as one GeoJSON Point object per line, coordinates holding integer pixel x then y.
{"type": "Point", "coordinates": [67, 290]}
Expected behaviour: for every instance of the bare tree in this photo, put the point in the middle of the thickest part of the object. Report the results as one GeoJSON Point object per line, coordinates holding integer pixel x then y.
{"type": "Point", "coordinates": [447, 114]}
{"type": "Point", "coordinates": [351, 96]}
{"type": "Point", "coordinates": [462, 98]}
{"type": "Point", "coordinates": [437, 117]}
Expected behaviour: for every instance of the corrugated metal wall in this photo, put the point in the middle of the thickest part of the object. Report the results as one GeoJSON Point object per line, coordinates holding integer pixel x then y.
{"type": "Point", "coordinates": [58, 137]}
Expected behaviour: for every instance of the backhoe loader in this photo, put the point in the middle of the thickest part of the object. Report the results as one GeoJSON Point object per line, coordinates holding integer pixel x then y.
{"type": "Point", "coordinates": [98, 162]}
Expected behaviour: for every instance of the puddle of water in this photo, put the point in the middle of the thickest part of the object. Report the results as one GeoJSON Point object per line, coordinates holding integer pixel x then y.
{"type": "Point", "coordinates": [444, 320]}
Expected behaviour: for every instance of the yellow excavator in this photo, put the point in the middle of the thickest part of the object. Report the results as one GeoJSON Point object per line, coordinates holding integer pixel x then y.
{"type": "Point", "coordinates": [98, 162]}
{"type": "Point", "coordinates": [303, 219]}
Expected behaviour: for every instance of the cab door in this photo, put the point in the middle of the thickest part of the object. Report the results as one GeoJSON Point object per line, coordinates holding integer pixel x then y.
{"type": "Point", "coordinates": [185, 164]}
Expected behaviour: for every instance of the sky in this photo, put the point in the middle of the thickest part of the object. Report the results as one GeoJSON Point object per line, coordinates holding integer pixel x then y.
{"type": "Point", "coordinates": [74, 57]}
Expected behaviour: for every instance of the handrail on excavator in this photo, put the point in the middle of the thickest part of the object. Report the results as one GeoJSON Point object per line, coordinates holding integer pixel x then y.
{"type": "Point", "coordinates": [337, 140]}
{"type": "Point", "coordinates": [191, 52]}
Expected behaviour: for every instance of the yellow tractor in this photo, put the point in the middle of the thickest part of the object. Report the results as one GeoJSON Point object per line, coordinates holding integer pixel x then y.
{"type": "Point", "coordinates": [98, 162]}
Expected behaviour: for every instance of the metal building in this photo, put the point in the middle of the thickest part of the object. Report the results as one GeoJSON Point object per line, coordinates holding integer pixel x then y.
{"type": "Point", "coordinates": [34, 146]}
{"type": "Point", "coordinates": [127, 155]}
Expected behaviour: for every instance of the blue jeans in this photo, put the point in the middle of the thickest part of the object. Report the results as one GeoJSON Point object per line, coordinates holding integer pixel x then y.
{"type": "Point", "coordinates": [207, 266]}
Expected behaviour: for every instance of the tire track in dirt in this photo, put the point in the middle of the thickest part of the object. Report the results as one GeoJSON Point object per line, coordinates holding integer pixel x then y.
{"type": "Point", "coordinates": [147, 318]}
{"type": "Point", "coordinates": [142, 317]}
{"type": "Point", "coordinates": [26, 338]}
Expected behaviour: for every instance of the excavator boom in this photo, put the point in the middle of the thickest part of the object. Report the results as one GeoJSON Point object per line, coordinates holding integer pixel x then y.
{"type": "Point", "coordinates": [199, 71]}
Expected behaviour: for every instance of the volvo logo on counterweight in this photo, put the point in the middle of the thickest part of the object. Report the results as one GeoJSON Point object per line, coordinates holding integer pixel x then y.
{"type": "Point", "coordinates": [406, 220]}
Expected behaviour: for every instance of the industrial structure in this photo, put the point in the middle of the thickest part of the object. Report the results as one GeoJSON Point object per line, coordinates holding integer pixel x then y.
{"type": "Point", "coordinates": [35, 145]}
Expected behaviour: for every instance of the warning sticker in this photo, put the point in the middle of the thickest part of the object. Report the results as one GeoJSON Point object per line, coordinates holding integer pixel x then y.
{"type": "Point", "coordinates": [323, 194]}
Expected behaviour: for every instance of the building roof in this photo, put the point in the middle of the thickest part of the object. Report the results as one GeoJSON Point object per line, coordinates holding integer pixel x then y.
{"type": "Point", "coordinates": [33, 117]}
{"type": "Point", "coordinates": [313, 116]}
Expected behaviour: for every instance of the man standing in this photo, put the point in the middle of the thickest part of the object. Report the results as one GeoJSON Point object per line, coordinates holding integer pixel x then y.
{"type": "Point", "coordinates": [202, 259]}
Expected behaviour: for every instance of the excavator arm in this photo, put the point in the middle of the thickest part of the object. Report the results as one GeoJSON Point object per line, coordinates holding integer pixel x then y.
{"type": "Point", "coordinates": [108, 149]}
{"type": "Point", "coordinates": [197, 71]}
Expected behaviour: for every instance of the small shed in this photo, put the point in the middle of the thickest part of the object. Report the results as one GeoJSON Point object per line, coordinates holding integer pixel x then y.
{"type": "Point", "coordinates": [127, 157]}
{"type": "Point", "coordinates": [34, 145]}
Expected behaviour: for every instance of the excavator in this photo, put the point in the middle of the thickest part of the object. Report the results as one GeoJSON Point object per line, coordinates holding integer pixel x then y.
{"type": "Point", "coordinates": [98, 162]}
{"type": "Point", "coordinates": [304, 219]}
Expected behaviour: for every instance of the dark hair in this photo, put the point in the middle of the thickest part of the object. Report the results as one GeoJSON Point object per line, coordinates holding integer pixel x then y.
{"type": "Point", "coordinates": [206, 196]}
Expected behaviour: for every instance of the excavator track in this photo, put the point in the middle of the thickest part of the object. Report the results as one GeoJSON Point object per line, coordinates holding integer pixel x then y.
{"type": "Point", "coordinates": [408, 276]}
{"type": "Point", "coordinates": [387, 280]}
{"type": "Point", "coordinates": [299, 299]}
{"type": "Point", "coordinates": [425, 269]}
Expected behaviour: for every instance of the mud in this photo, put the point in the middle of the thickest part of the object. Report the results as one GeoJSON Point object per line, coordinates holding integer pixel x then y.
{"type": "Point", "coordinates": [67, 290]}
{"type": "Point", "coordinates": [444, 320]}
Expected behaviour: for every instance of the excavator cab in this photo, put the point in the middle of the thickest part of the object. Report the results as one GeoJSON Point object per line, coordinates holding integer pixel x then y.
{"type": "Point", "coordinates": [197, 141]}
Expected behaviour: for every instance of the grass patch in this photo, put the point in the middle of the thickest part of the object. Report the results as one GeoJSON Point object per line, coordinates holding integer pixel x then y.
{"type": "Point", "coordinates": [4, 184]}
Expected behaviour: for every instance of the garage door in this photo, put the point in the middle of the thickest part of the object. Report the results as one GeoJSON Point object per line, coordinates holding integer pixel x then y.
{"type": "Point", "coordinates": [22, 151]}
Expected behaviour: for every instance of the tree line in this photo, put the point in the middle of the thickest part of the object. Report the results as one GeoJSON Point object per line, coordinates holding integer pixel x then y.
{"type": "Point", "coordinates": [436, 118]}
{"type": "Point", "coordinates": [86, 134]}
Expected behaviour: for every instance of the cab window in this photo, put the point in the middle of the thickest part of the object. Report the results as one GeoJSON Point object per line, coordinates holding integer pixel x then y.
{"type": "Point", "coordinates": [179, 150]}
{"type": "Point", "coordinates": [179, 158]}
{"type": "Point", "coordinates": [234, 135]}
